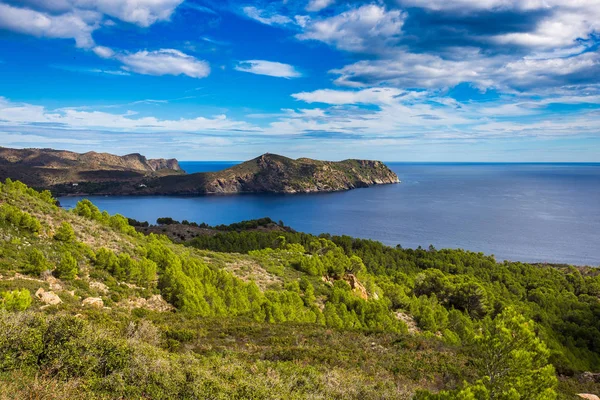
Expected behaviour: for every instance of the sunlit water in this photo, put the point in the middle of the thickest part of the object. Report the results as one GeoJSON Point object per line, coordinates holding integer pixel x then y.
{"type": "Point", "coordinates": [526, 212]}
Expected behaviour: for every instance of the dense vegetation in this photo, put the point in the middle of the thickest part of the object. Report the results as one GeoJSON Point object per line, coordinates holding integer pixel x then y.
{"type": "Point", "coordinates": [441, 287]}
{"type": "Point", "coordinates": [245, 314]}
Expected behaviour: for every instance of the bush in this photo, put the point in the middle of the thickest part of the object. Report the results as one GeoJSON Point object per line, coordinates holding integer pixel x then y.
{"type": "Point", "coordinates": [65, 233]}
{"type": "Point", "coordinates": [20, 219]}
{"type": "Point", "coordinates": [16, 300]}
{"type": "Point", "coordinates": [36, 263]}
{"type": "Point", "coordinates": [67, 267]}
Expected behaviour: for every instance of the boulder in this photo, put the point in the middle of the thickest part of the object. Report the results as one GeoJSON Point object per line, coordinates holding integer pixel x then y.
{"type": "Point", "coordinates": [93, 302]}
{"type": "Point", "coordinates": [48, 298]}
{"type": "Point", "coordinates": [99, 286]}
{"type": "Point", "coordinates": [588, 396]}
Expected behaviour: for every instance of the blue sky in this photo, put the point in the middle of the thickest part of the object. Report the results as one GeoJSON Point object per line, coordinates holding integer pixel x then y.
{"type": "Point", "coordinates": [397, 80]}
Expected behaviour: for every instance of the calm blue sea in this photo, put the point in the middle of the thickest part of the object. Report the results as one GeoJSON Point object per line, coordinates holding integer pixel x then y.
{"type": "Point", "coordinates": [525, 212]}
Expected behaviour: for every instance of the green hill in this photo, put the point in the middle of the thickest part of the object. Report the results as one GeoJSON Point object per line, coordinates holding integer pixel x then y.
{"type": "Point", "coordinates": [91, 308]}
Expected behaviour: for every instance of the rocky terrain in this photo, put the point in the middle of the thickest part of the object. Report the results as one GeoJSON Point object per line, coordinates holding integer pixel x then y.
{"type": "Point", "coordinates": [68, 173]}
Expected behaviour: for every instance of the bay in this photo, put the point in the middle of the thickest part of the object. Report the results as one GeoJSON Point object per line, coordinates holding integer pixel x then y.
{"type": "Point", "coordinates": [521, 212]}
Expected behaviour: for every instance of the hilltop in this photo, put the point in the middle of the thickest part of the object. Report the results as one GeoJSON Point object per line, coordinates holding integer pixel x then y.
{"type": "Point", "coordinates": [68, 173]}
{"type": "Point", "coordinates": [92, 309]}
{"type": "Point", "coordinates": [48, 168]}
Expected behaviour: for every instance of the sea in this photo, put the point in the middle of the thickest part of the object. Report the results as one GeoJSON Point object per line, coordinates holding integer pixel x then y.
{"type": "Point", "coordinates": [530, 212]}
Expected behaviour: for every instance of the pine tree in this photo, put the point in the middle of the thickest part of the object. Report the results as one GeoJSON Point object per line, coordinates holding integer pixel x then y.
{"type": "Point", "coordinates": [65, 233]}
{"type": "Point", "coordinates": [67, 267]}
{"type": "Point", "coordinates": [37, 263]}
{"type": "Point", "coordinates": [513, 360]}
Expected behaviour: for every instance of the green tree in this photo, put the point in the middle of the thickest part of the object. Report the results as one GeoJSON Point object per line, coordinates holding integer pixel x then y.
{"type": "Point", "coordinates": [513, 361]}
{"type": "Point", "coordinates": [36, 262]}
{"type": "Point", "coordinates": [65, 233]}
{"type": "Point", "coordinates": [67, 267]}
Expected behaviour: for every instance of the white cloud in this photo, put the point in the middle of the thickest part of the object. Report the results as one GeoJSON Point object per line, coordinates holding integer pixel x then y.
{"type": "Point", "coordinates": [339, 97]}
{"type": "Point", "coordinates": [365, 29]}
{"type": "Point", "coordinates": [269, 68]}
{"type": "Point", "coordinates": [266, 17]}
{"type": "Point", "coordinates": [77, 25]}
{"type": "Point", "coordinates": [140, 12]}
{"type": "Point", "coordinates": [164, 62]}
{"type": "Point", "coordinates": [103, 52]}
{"type": "Point", "coordinates": [78, 19]}
{"type": "Point", "coordinates": [318, 5]}
{"type": "Point", "coordinates": [23, 114]}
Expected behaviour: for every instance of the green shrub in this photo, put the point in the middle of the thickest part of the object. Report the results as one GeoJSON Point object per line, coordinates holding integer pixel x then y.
{"type": "Point", "coordinates": [16, 300]}
{"type": "Point", "coordinates": [36, 262]}
{"type": "Point", "coordinates": [65, 233]}
{"type": "Point", "coordinates": [67, 268]}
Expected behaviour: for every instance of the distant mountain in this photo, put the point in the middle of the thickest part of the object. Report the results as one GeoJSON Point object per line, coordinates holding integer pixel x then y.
{"type": "Point", "coordinates": [47, 168]}
{"type": "Point", "coordinates": [67, 173]}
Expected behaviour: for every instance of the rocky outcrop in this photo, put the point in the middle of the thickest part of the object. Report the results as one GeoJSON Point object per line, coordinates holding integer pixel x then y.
{"type": "Point", "coordinates": [155, 303]}
{"type": "Point", "coordinates": [48, 298]}
{"type": "Point", "coordinates": [588, 396]}
{"type": "Point", "coordinates": [356, 286]}
{"type": "Point", "coordinates": [95, 302]}
{"type": "Point", "coordinates": [159, 164]}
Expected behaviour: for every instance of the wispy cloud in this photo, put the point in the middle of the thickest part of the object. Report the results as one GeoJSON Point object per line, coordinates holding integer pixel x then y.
{"type": "Point", "coordinates": [164, 62]}
{"type": "Point", "coordinates": [266, 17]}
{"type": "Point", "coordinates": [318, 5]}
{"type": "Point", "coordinates": [269, 68]}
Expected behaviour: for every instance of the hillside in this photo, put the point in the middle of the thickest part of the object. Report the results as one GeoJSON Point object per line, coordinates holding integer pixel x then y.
{"type": "Point", "coordinates": [68, 173]}
{"type": "Point", "coordinates": [47, 168]}
{"type": "Point", "coordinates": [271, 173]}
{"type": "Point", "coordinates": [92, 309]}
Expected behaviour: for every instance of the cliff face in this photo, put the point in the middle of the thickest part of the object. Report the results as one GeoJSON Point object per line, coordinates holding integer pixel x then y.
{"type": "Point", "coordinates": [68, 173]}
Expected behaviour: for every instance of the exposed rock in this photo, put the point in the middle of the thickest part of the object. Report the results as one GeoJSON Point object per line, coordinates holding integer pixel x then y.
{"type": "Point", "coordinates": [155, 303]}
{"type": "Point", "coordinates": [408, 320]}
{"type": "Point", "coordinates": [99, 286]}
{"type": "Point", "coordinates": [52, 282]}
{"type": "Point", "coordinates": [48, 298]}
{"type": "Point", "coordinates": [356, 286]}
{"type": "Point", "coordinates": [93, 302]}
{"type": "Point", "coordinates": [588, 396]}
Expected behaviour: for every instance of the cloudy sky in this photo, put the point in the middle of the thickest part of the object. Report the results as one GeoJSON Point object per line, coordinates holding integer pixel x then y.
{"type": "Point", "coordinates": [397, 80]}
